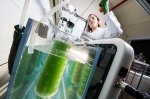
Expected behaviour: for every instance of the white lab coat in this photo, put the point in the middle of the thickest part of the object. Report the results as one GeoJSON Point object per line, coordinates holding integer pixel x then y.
{"type": "Point", "coordinates": [112, 30]}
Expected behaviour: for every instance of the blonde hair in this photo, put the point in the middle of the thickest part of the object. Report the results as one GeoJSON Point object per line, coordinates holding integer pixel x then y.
{"type": "Point", "coordinates": [88, 27]}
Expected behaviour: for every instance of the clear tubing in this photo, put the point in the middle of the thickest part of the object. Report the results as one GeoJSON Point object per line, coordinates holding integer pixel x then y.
{"type": "Point", "coordinates": [49, 14]}
{"type": "Point", "coordinates": [53, 10]}
{"type": "Point", "coordinates": [24, 12]}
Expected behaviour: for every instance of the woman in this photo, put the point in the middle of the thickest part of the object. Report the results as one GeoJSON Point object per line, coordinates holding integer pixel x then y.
{"type": "Point", "coordinates": [95, 31]}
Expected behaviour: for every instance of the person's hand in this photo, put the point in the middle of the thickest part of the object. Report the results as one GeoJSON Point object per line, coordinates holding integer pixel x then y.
{"type": "Point", "coordinates": [104, 6]}
{"type": "Point", "coordinates": [100, 9]}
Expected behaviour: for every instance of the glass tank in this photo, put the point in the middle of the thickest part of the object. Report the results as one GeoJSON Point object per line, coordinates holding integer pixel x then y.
{"type": "Point", "coordinates": [52, 67]}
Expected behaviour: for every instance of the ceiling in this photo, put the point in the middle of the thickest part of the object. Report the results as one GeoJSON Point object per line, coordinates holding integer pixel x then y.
{"type": "Point", "coordinates": [134, 19]}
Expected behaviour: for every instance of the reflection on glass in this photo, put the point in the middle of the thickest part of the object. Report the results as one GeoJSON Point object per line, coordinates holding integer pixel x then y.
{"type": "Point", "coordinates": [77, 70]}
{"type": "Point", "coordinates": [83, 80]}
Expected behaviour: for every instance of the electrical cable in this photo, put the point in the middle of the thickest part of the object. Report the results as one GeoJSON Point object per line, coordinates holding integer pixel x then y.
{"type": "Point", "coordinates": [3, 63]}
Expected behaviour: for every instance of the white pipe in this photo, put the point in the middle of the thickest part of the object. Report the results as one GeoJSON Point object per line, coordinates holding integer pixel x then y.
{"type": "Point", "coordinates": [24, 12]}
{"type": "Point", "coordinates": [53, 10]}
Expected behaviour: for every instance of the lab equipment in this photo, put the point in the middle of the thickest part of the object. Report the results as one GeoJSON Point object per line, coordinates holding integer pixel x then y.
{"type": "Point", "coordinates": [88, 69]}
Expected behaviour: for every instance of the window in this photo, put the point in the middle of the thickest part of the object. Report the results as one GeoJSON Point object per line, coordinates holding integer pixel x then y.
{"type": "Point", "coordinates": [145, 4]}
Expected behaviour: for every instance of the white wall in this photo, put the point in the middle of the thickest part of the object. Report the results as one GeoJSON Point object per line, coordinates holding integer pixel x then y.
{"type": "Point", "coordinates": [9, 16]}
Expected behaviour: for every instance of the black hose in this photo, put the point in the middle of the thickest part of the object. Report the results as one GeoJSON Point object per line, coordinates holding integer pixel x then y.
{"type": "Point", "coordinates": [14, 48]}
{"type": "Point", "coordinates": [135, 93]}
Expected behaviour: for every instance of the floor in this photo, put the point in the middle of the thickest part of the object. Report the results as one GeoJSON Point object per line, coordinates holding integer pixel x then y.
{"type": "Point", "coordinates": [4, 78]}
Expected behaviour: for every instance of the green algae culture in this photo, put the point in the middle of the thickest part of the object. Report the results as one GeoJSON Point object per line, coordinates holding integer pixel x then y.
{"type": "Point", "coordinates": [77, 72]}
{"type": "Point", "coordinates": [50, 77]}
{"type": "Point", "coordinates": [83, 80]}
{"type": "Point", "coordinates": [72, 78]}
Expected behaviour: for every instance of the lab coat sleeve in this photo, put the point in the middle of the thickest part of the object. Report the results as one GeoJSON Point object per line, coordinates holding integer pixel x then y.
{"type": "Point", "coordinates": [85, 35]}
{"type": "Point", "coordinates": [113, 26]}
